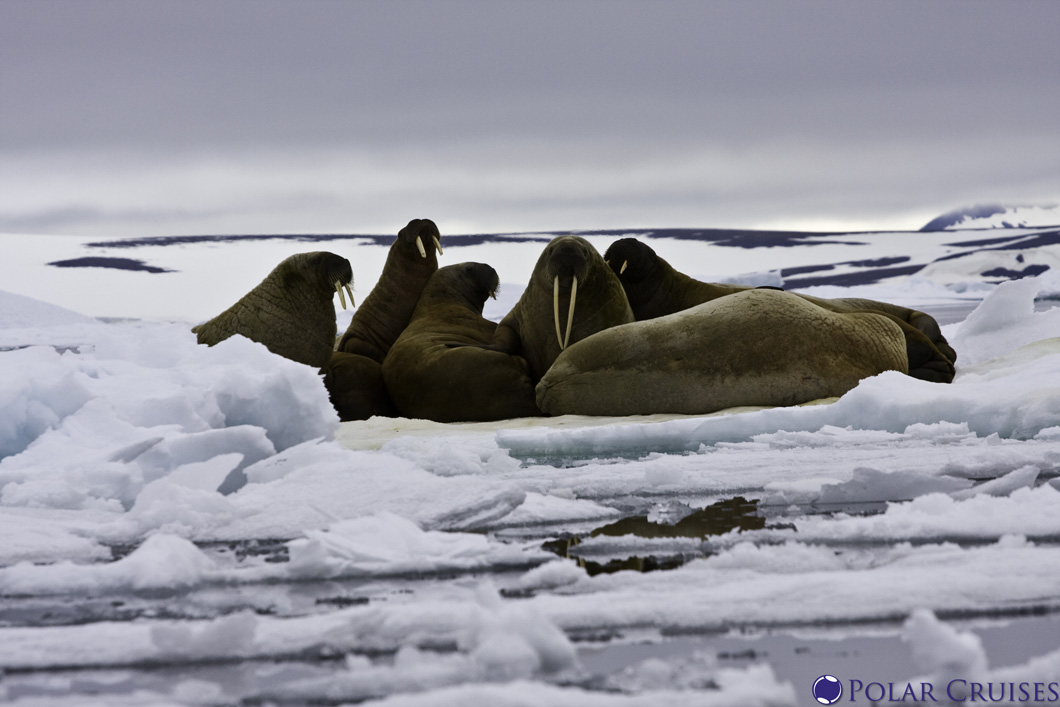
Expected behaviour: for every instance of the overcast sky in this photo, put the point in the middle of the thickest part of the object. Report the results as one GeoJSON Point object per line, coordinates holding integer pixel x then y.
{"type": "Point", "coordinates": [155, 118]}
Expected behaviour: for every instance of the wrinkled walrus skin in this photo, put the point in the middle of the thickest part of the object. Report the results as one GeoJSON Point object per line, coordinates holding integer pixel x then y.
{"type": "Point", "coordinates": [436, 370]}
{"type": "Point", "coordinates": [540, 325]}
{"type": "Point", "coordinates": [291, 312]}
{"type": "Point", "coordinates": [655, 288]}
{"type": "Point", "coordinates": [759, 347]}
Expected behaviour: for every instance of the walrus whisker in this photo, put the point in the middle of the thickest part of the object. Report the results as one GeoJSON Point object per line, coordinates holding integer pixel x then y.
{"type": "Point", "coordinates": [437, 244]}
{"type": "Point", "coordinates": [623, 268]}
{"type": "Point", "coordinates": [342, 297]}
{"type": "Point", "coordinates": [555, 310]}
{"type": "Point", "coordinates": [570, 314]}
{"type": "Point", "coordinates": [419, 245]}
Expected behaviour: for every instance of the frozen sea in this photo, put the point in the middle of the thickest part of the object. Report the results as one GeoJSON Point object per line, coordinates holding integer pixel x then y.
{"type": "Point", "coordinates": [183, 525]}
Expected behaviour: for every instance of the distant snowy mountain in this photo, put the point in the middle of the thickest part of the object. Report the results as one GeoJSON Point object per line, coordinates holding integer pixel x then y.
{"type": "Point", "coordinates": [996, 216]}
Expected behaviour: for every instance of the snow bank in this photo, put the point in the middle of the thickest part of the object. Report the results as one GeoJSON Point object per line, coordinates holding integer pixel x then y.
{"type": "Point", "coordinates": [92, 428]}
{"type": "Point", "coordinates": [19, 312]}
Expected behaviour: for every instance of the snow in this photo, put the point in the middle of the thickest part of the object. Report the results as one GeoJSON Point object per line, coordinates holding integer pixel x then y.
{"type": "Point", "coordinates": [997, 216]}
{"type": "Point", "coordinates": [201, 510]}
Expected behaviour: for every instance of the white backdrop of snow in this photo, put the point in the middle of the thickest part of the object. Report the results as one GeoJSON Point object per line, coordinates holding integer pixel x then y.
{"type": "Point", "coordinates": [123, 432]}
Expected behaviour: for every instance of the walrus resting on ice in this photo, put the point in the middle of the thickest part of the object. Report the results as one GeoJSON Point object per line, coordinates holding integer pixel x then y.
{"type": "Point", "coordinates": [654, 289]}
{"type": "Point", "coordinates": [436, 369]}
{"type": "Point", "coordinates": [571, 295]}
{"type": "Point", "coordinates": [354, 375]}
{"type": "Point", "coordinates": [291, 311]}
{"type": "Point", "coordinates": [758, 347]}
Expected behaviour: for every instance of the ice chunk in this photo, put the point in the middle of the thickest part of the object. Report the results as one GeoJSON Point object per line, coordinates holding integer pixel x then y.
{"type": "Point", "coordinates": [385, 543]}
{"type": "Point", "coordinates": [161, 562]}
{"type": "Point", "coordinates": [91, 428]}
{"type": "Point", "coordinates": [1003, 322]}
{"type": "Point", "coordinates": [942, 650]}
{"type": "Point", "coordinates": [37, 392]}
{"type": "Point", "coordinates": [1020, 478]}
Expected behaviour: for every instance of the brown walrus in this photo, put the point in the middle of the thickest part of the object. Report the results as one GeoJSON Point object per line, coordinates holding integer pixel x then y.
{"type": "Point", "coordinates": [761, 347]}
{"type": "Point", "coordinates": [436, 369]}
{"type": "Point", "coordinates": [654, 288]}
{"type": "Point", "coordinates": [291, 311]}
{"type": "Point", "coordinates": [383, 314]}
{"type": "Point", "coordinates": [571, 279]}
{"type": "Point", "coordinates": [354, 375]}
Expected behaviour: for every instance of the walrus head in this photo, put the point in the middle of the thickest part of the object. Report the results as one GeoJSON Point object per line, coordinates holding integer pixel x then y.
{"type": "Point", "coordinates": [473, 282]}
{"type": "Point", "coordinates": [638, 267]}
{"type": "Point", "coordinates": [331, 271]}
{"type": "Point", "coordinates": [631, 260]}
{"type": "Point", "coordinates": [421, 234]}
{"type": "Point", "coordinates": [566, 260]}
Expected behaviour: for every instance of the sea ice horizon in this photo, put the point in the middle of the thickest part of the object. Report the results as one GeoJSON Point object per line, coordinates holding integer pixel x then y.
{"type": "Point", "coordinates": [187, 525]}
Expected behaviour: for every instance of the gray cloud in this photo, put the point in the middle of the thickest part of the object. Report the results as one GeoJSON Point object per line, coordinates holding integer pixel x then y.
{"type": "Point", "coordinates": [508, 115]}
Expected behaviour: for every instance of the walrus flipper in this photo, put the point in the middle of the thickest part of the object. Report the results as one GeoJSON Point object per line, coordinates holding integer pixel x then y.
{"type": "Point", "coordinates": [355, 387]}
{"type": "Point", "coordinates": [927, 324]}
{"type": "Point", "coordinates": [921, 321]}
{"type": "Point", "coordinates": [927, 360]}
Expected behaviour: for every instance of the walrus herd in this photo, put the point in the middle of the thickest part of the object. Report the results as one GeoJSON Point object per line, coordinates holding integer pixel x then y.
{"type": "Point", "coordinates": [623, 333]}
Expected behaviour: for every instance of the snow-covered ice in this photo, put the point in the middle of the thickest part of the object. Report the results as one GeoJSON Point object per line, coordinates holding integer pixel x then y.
{"type": "Point", "coordinates": [192, 525]}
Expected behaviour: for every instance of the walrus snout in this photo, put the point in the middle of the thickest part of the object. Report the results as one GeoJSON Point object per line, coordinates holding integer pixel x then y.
{"type": "Point", "coordinates": [420, 230]}
{"type": "Point", "coordinates": [568, 258]}
{"type": "Point", "coordinates": [334, 272]}
{"type": "Point", "coordinates": [482, 280]}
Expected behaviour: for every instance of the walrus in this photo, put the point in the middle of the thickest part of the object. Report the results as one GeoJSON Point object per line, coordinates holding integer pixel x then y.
{"type": "Point", "coordinates": [291, 311]}
{"type": "Point", "coordinates": [570, 278]}
{"type": "Point", "coordinates": [759, 347]}
{"type": "Point", "coordinates": [354, 375]}
{"type": "Point", "coordinates": [654, 288]}
{"type": "Point", "coordinates": [386, 310]}
{"type": "Point", "coordinates": [437, 371]}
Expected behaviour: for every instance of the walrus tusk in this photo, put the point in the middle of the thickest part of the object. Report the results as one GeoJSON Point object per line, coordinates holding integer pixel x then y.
{"type": "Point", "coordinates": [555, 309]}
{"type": "Point", "coordinates": [570, 314]}
{"type": "Point", "coordinates": [437, 244]}
{"type": "Point", "coordinates": [342, 297]}
{"type": "Point", "coordinates": [563, 340]}
{"type": "Point", "coordinates": [350, 293]}
{"type": "Point", "coordinates": [623, 268]}
{"type": "Point", "coordinates": [419, 244]}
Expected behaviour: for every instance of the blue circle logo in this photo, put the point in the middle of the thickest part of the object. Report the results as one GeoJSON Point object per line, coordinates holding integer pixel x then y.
{"type": "Point", "coordinates": [827, 689]}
